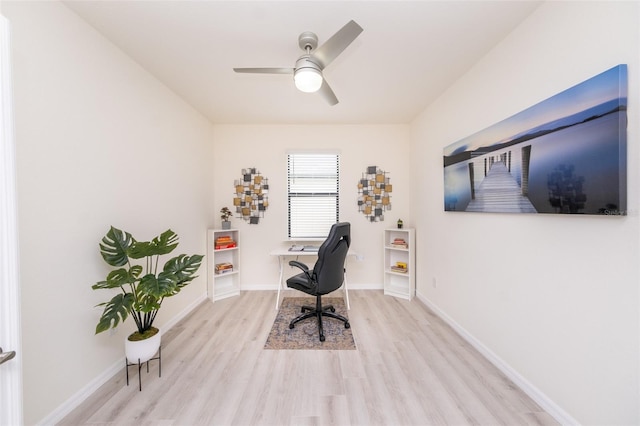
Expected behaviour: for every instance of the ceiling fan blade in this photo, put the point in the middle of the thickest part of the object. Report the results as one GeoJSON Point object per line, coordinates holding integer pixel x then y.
{"type": "Point", "coordinates": [264, 70]}
{"type": "Point", "coordinates": [326, 92]}
{"type": "Point", "coordinates": [326, 53]}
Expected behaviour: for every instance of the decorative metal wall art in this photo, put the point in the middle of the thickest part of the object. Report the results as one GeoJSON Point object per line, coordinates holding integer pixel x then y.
{"type": "Point", "coordinates": [251, 199]}
{"type": "Point", "coordinates": [374, 194]}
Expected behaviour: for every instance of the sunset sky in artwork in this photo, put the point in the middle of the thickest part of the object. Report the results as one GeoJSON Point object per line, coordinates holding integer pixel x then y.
{"type": "Point", "coordinates": [609, 85]}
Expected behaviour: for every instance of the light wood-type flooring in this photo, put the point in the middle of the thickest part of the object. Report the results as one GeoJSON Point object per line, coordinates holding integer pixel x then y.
{"type": "Point", "coordinates": [410, 368]}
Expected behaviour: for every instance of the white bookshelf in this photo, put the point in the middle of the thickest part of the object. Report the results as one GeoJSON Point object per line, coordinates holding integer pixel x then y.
{"type": "Point", "coordinates": [226, 284]}
{"type": "Point", "coordinates": [399, 283]}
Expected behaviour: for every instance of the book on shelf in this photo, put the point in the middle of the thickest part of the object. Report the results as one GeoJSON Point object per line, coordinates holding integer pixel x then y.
{"type": "Point", "coordinates": [399, 267]}
{"type": "Point", "coordinates": [224, 267]}
{"type": "Point", "coordinates": [224, 242]}
{"type": "Point", "coordinates": [225, 246]}
{"type": "Point", "coordinates": [399, 243]}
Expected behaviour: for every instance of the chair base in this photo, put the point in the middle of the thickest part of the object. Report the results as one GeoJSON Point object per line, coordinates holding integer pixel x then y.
{"type": "Point", "coordinates": [318, 312]}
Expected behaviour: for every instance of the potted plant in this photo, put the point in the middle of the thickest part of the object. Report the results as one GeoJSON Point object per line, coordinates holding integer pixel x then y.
{"type": "Point", "coordinates": [225, 214]}
{"type": "Point", "coordinates": [142, 287]}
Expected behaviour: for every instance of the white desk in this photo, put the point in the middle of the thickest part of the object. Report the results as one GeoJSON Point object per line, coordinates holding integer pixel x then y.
{"type": "Point", "coordinates": [283, 253]}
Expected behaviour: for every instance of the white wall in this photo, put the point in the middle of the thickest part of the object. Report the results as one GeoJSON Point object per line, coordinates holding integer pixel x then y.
{"type": "Point", "coordinates": [554, 298]}
{"type": "Point", "coordinates": [265, 147]}
{"type": "Point", "coordinates": [99, 142]}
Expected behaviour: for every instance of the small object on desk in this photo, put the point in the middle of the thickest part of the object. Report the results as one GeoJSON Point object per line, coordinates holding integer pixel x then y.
{"type": "Point", "coordinates": [296, 247]}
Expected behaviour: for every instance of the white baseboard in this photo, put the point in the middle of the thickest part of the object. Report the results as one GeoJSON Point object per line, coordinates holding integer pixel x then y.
{"type": "Point", "coordinates": [365, 286]}
{"type": "Point", "coordinates": [79, 397]}
{"type": "Point", "coordinates": [527, 387]}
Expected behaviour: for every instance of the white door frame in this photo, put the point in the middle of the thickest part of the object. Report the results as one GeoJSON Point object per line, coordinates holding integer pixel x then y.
{"type": "Point", "coordinates": [11, 408]}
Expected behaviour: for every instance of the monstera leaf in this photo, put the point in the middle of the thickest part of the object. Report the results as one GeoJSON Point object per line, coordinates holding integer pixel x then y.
{"type": "Point", "coordinates": [114, 247]}
{"type": "Point", "coordinates": [184, 267]}
{"type": "Point", "coordinates": [164, 285]}
{"type": "Point", "coordinates": [165, 243]}
{"type": "Point", "coordinates": [119, 277]}
{"type": "Point", "coordinates": [116, 310]}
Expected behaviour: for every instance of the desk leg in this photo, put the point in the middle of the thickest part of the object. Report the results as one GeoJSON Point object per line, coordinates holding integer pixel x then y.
{"type": "Point", "coordinates": [281, 262]}
{"type": "Point", "coordinates": [346, 290]}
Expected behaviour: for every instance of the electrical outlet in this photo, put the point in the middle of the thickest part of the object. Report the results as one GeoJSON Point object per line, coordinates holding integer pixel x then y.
{"type": "Point", "coordinates": [434, 284]}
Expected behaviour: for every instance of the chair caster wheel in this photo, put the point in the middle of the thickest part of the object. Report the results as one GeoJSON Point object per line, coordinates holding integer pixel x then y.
{"type": "Point", "coordinates": [291, 326]}
{"type": "Point", "coordinates": [347, 325]}
{"type": "Point", "coordinates": [322, 338]}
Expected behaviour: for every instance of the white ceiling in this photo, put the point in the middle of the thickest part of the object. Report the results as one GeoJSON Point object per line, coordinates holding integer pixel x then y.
{"type": "Point", "coordinates": [407, 55]}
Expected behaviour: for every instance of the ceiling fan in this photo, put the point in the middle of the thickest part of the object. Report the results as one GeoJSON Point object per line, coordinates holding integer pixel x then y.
{"type": "Point", "coordinates": [307, 73]}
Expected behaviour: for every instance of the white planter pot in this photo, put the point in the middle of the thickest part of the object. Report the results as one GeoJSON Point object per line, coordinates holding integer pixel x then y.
{"type": "Point", "coordinates": [141, 350]}
{"type": "Point", "coordinates": [226, 224]}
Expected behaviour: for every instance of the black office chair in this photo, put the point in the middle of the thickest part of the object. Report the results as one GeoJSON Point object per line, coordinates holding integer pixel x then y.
{"type": "Point", "coordinates": [327, 275]}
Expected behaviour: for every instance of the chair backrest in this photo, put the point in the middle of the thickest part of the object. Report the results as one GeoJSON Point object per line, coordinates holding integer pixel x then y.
{"type": "Point", "coordinates": [329, 268]}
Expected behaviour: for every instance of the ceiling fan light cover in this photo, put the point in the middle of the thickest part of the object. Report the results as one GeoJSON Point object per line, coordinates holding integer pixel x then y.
{"type": "Point", "coordinates": [308, 80]}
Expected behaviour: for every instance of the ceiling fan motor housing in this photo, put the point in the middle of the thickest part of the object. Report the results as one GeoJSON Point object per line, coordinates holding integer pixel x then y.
{"type": "Point", "coordinates": [307, 40]}
{"type": "Point", "coordinates": [305, 61]}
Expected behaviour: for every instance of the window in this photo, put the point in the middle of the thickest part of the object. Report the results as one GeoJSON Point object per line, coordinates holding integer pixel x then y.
{"type": "Point", "coordinates": [313, 193]}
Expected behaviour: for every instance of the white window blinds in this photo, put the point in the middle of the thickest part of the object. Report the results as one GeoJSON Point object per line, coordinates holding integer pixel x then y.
{"type": "Point", "coordinates": [313, 194]}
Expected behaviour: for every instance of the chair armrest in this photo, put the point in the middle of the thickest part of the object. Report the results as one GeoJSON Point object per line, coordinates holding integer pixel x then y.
{"type": "Point", "coordinates": [300, 265]}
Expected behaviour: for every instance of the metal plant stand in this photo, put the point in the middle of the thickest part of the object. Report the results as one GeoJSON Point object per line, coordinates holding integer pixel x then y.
{"type": "Point", "coordinates": [139, 364]}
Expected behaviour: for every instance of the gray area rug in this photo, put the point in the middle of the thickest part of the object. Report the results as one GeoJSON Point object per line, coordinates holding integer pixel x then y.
{"type": "Point", "coordinates": [305, 334]}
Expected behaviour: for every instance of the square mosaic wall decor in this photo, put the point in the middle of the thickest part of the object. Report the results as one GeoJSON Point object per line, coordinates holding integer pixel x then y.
{"type": "Point", "coordinates": [374, 194]}
{"type": "Point", "coordinates": [252, 195]}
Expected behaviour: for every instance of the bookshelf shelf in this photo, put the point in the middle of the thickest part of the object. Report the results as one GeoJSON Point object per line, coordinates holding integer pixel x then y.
{"type": "Point", "coordinates": [399, 254]}
{"type": "Point", "coordinates": [223, 263]}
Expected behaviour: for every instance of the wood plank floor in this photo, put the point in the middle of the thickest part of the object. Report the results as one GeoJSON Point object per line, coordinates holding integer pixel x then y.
{"type": "Point", "coordinates": [409, 369]}
{"type": "Point", "coordinates": [499, 192]}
